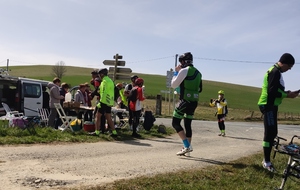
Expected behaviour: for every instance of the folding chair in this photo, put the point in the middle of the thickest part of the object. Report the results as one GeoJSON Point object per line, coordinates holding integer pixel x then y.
{"type": "Point", "coordinates": [66, 120]}
{"type": "Point", "coordinates": [10, 113]}
{"type": "Point", "coordinates": [43, 116]}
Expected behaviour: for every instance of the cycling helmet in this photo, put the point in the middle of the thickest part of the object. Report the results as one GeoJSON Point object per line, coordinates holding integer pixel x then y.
{"type": "Point", "coordinates": [133, 78]}
{"type": "Point", "coordinates": [221, 92]}
{"type": "Point", "coordinates": [139, 81]}
{"type": "Point", "coordinates": [187, 59]}
{"type": "Point", "coordinates": [103, 71]}
{"type": "Point", "coordinates": [119, 85]}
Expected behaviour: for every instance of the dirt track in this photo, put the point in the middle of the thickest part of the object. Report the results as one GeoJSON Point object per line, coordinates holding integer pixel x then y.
{"type": "Point", "coordinates": [87, 164]}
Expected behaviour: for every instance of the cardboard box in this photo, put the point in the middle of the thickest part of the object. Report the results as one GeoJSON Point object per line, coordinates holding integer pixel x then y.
{"type": "Point", "coordinates": [74, 104]}
{"type": "Point", "coordinates": [66, 104]}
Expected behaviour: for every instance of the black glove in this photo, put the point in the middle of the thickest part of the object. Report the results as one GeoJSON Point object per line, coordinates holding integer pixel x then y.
{"type": "Point", "coordinates": [211, 100]}
{"type": "Point", "coordinates": [217, 101]}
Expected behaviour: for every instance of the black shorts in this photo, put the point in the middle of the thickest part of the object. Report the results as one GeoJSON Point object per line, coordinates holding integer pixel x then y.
{"type": "Point", "coordinates": [104, 108]}
{"type": "Point", "coordinates": [185, 109]}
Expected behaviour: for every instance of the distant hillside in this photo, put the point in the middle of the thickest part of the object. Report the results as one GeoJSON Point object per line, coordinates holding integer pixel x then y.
{"type": "Point", "coordinates": [238, 96]}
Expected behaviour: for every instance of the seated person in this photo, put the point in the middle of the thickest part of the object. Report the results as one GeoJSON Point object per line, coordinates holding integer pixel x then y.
{"type": "Point", "coordinates": [122, 102]}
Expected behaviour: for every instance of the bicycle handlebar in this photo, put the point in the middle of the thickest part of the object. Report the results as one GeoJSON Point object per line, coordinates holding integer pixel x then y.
{"type": "Point", "coordinates": [293, 138]}
{"type": "Point", "coordinates": [276, 144]}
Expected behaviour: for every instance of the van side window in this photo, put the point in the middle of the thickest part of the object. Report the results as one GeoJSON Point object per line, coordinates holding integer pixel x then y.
{"type": "Point", "coordinates": [32, 90]}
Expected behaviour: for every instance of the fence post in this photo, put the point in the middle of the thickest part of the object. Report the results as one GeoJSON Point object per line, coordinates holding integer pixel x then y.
{"type": "Point", "coordinates": [158, 104]}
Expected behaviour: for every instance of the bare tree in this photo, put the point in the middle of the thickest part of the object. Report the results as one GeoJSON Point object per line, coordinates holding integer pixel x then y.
{"type": "Point", "coordinates": [59, 69]}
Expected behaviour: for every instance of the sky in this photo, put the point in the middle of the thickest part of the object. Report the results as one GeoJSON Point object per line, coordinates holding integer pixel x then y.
{"type": "Point", "coordinates": [232, 41]}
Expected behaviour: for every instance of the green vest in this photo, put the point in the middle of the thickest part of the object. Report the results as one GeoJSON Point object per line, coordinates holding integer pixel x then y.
{"type": "Point", "coordinates": [106, 91]}
{"type": "Point", "coordinates": [191, 85]}
{"type": "Point", "coordinates": [123, 97]}
{"type": "Point", "coordinates": [263, 99]}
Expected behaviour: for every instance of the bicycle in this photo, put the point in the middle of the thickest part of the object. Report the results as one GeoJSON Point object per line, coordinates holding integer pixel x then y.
{"type": "Point", "coordinates": [293, 164]}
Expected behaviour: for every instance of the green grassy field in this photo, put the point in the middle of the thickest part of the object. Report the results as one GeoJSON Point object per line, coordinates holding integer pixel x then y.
{"type": "Point", "coordinates": [242, 100]}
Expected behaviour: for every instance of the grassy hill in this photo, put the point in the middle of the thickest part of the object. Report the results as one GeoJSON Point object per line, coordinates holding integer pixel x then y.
{"type": "Point", "coordinates": [240, 98]}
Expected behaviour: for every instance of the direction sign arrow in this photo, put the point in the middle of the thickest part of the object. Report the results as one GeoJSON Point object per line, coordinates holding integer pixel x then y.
{"type": "Point", "coordinates": [120, 70]}
{"type": "Point", "coordinates": [113, 62]}
{"type": "Point", "coordinates": [119, 77]}
{"type": "Point", "coordinates": [119, 57]}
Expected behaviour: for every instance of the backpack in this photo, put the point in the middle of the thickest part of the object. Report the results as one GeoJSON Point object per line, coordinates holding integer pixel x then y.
{"type": "Point", "coordinates": [148, 120]}
{"type": "Point", "coordinates": [132, 95]}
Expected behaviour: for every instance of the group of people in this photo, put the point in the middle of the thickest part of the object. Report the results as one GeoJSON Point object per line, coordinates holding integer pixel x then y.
{"type": "Point", "coordinates": [108, 94]}
{"type": "Point", "coordinates": [127, 97]}
{"type": "Point", "coordinates": [187, 81]}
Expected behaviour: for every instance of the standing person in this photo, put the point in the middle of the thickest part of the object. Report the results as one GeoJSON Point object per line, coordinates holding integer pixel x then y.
{"type": "Point", "coordinates": [136, 98]}
{"type": "Point", "coordinates": [88, 116]}
{"type": "Point", "coordinates": [106, 101]}
{"type": "Point", "coordinates": [127, 90]}
{"type": "Point", "coordinates": [62, 91]}
{"type": "Point", "coordinates": [189, 79]}
{"type": "Point", "coordinates": [221, 105]}
{"type": "Point", "coordinates": [55, 97]}
{"type": "Point", "coordinates": [46, 98]}
{"type": "Point", "coordinates": [273, 91]}
{"type": "Point", "coordinates": [96, 81]}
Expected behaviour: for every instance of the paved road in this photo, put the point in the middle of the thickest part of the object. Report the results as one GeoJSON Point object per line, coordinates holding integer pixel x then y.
{"type": "Point", "coordinates": [99, 163]}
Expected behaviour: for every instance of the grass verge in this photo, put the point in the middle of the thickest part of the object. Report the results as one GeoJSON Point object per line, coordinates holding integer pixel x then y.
{"type": "Point", "coordinates": [15, 135]}
{"type": "Point", "coordinates": [244, 173]}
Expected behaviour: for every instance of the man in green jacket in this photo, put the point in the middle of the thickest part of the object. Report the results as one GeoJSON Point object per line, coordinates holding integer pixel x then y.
{"type": "Point", "coordinates": [106, 101]}
{"type": "Point", "coordinates": [273, 91]}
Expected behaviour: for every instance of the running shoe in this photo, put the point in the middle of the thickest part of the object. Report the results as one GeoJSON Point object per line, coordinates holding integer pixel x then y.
{"type": "Point", "coordinates": [269, 166]}
{"type": "Point", "coordinates": [188, 154]}
{"type": "Point", "coordinates": [183, 151]}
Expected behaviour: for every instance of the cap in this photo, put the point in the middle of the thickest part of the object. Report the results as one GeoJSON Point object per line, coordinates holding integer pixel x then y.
{"type": "Point", "coordinates": [287, 58]}
{"type": "Point", "coordinates": [221, 92]}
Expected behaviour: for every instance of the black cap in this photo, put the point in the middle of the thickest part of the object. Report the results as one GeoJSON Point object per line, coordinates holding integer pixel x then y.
{"type": "Point", "coordinates": [287, 58]}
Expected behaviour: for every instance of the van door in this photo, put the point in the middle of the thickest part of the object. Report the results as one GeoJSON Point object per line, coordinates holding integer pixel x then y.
{"type": "Point", "coordinates": [33, 99]}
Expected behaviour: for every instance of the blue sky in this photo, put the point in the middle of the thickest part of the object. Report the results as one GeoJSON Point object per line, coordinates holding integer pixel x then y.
{"type": "Point", "coordinates": [150, 33]}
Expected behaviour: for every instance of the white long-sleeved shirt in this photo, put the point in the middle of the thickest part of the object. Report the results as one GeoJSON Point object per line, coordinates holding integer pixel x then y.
{"type": "Point", "coordinates": [177, 80]}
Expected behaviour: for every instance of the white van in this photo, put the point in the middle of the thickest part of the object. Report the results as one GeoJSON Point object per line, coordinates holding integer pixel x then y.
{"type": "Point", "coordinates": [21, 94]}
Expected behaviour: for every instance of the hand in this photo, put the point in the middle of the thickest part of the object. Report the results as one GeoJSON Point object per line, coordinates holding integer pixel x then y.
{"type": "Point", "coordinates": [293, 94]}
{"type": "Point", "coordinates": [211, 100]}
{"type": "Point", "coordinates": [217, 101]}
{"type": "Point", "coordinates": [178, 68]}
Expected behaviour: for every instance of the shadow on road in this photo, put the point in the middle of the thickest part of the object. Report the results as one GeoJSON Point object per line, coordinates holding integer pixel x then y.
{"type": "Point", "coordinates": [165, 140]}
{"type": "Point", "coordinates": [216, 162]}
{"type": "Point", "coordinates": [134, 142]}
{"type": "Point", "coordinates": [242, 138]}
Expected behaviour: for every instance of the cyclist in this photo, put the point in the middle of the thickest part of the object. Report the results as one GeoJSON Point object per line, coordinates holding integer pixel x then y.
{"type": "Point", "coordinates": [106, 92]}
{"type": "Point", "coordinates": [273, 91]}
{"type": "Point", "coordinates": [189, 79]}
{"type": "Point", "coordinates": [127, 90]}
{"type": "Point", "coordinates": [221, 105]}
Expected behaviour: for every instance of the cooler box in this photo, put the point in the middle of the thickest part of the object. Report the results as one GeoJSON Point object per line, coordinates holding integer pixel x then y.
{"type": "Point", "coordinates": [89, 127]}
